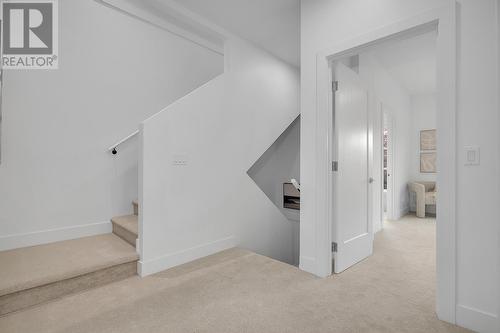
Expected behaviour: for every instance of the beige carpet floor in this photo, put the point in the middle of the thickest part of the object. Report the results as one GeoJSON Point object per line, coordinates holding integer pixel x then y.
{"type": "Point", "coordinates": [239, 291]}
{"type": "Point", "coordinates": [34, 266]}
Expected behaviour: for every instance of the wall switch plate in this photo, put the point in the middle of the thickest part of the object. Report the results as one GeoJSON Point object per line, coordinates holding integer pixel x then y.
{"type": "Point", "coordinates": [180, 160]}
{"type": "Point", "coordinates": [472, 155]}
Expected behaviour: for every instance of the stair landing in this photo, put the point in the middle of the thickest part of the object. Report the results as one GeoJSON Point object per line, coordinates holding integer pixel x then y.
{"type": "Point", "coordinates": [36, 274]}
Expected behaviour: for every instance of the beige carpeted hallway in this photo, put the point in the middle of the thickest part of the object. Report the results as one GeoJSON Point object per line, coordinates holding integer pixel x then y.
{"type": "Point", "coordinates": [239, 291]}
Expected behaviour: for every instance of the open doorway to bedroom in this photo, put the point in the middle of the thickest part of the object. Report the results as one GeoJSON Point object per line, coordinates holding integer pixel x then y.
{"type": "Point", "coordinates": [404, 128]}
{"type": "Point", "coordinates": [351, 239]}
{"type": "Point", "coordinates": [385, 151]}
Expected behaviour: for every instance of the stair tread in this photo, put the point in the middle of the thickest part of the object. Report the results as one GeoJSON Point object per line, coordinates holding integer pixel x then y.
{"type": "Point", "coordinates": [39, 265]}
{"type": "Point", "coordinates": [127, 222]}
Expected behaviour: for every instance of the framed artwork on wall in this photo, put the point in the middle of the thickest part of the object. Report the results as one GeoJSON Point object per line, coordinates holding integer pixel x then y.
{"type": "Point", "coordinates": [428, 162]}
{"type": "Point", "coordinates": [428, 139]}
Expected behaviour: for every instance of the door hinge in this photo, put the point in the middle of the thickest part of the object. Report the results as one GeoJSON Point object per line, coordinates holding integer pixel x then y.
{"type": "Point", "coordinates": [335, 85]}
{"type": "Point", "coordinates": [335, 166]}
{"type": "Point", "coordinates": [334, 247]}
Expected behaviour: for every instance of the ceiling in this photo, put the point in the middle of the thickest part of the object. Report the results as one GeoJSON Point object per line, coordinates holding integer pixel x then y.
{"type": "Point", "coordinates": [412, 62]}
{"type": "Point", "coordinates": [270, 24]}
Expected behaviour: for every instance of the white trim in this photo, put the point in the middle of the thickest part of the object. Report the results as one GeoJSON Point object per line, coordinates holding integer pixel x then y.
{"type": "Point", "coordinates": [10, 242]}
{"type": "Point", "coordinates": [140, 174]}
{"type": "Point", "coordinates": [498, 160]}
{"type": "Point", "coordinates": [145, 268]}
{"type": "Point", "coordinates": [381, 187]}
{"type": "Point", "coordinates": [141, 125]}
{"type": "Point", "coordinates": [307, 264]}
{"type": "Point", "coordinates": [391, 214]}
{"type": "Point", "coordinates": [445, 19]}
{"type": "Point", "coordinates": [477, 320]}
{"type": "Point", "coordinates": [178, 21]}
{"type": "Point", "coordinates": [394, 173]}
{"type": "Point", "coordinates": [138, 246]}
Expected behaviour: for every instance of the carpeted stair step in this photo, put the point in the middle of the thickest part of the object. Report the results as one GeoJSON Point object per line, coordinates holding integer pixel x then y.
{"type": "Point", "coordinates": [37, 274]}
{"type": "Point", "coordinates": [126, 227]}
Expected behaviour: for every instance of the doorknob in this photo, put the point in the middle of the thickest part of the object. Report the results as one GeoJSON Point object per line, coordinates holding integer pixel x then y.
{"type": "Point", "coordinates": [371, 180]}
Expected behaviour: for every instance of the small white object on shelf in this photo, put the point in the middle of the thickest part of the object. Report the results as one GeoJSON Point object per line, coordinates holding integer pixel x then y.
{"type": "Point", "coordinates": [296, 184]}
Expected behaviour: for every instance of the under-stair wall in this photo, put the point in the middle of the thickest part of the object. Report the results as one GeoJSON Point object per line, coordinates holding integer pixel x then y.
{"type": "Point", "coordinates": [196, 196]}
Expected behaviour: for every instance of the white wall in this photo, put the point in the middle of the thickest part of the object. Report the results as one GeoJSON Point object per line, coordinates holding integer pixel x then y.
{"type": "Point", "coordinates": [326, 23]}
{"type": "Point", "coordinates": [56, 179]}
{"type": "Point", "coordinates": [423, 109]}
{"type": "Point", "coordinates": [220, 129]}
{"type": "Point", "coordinates": [424, 116]}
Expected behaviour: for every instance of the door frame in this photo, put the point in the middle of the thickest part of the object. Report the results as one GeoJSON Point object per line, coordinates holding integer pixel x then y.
{"type": "Point", "coordinates": [391, 214]}
{"type": "Point", "coordinates": [445, 20]}
{"type": "Point", "coordinates": [380, 111]}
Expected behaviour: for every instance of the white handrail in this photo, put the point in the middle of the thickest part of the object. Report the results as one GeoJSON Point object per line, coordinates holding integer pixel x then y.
{"type": "Point", "coordinates": [113, 147]}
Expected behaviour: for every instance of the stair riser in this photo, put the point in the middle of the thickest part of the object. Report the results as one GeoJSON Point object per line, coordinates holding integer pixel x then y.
{"type": "Point", "coordinates": [124, 234]}
{"type": "Point", "coordinates": [27, 298]}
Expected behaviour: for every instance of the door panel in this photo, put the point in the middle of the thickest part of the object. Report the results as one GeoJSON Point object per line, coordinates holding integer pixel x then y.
{"type": "Point", "coordinates": [352, 229]}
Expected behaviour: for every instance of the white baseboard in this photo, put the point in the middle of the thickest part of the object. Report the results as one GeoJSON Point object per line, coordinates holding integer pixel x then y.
{"type": "Point", "coordinates": [307, 264]}
{"type": "Point", "coordinates": [477, 320]}
{"type": "Point", "coordinates": [10, 242]}
{"type": "Point", "coordinates": [403, 212]}
{"type": "Point", "coordinates": [162, 263]}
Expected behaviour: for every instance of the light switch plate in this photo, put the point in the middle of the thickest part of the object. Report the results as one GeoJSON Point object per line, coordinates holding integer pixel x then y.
{"type": "Point", "coordinates": [472, 155]}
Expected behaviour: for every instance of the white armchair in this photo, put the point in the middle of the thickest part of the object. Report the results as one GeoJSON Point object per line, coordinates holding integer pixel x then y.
{"type": "Point", "coordinates": [425, 194]}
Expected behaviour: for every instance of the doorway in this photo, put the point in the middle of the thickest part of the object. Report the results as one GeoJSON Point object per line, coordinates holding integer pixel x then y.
{"type": "Point", "coordinates": [444, 19]}
{"type": "Point", "coordinates": [395, 80]}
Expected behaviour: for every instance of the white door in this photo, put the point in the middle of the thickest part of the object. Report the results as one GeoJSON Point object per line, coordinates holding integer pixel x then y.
{"type": "Point", "coordinates": [352, 230]}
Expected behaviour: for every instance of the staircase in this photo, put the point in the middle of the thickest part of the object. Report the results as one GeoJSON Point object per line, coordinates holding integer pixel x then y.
{"type": "Point", "coordinates": [126, 227]}
{"type": "Point", "coordinates": [38, 274]}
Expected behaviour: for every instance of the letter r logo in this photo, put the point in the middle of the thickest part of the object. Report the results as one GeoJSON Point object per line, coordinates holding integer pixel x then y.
{"type": "Point", "coordinates": [28, 28]}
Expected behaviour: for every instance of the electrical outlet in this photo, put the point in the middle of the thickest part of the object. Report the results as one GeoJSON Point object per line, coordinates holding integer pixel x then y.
{"type": "Point", "coordinates": [472, 156]}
